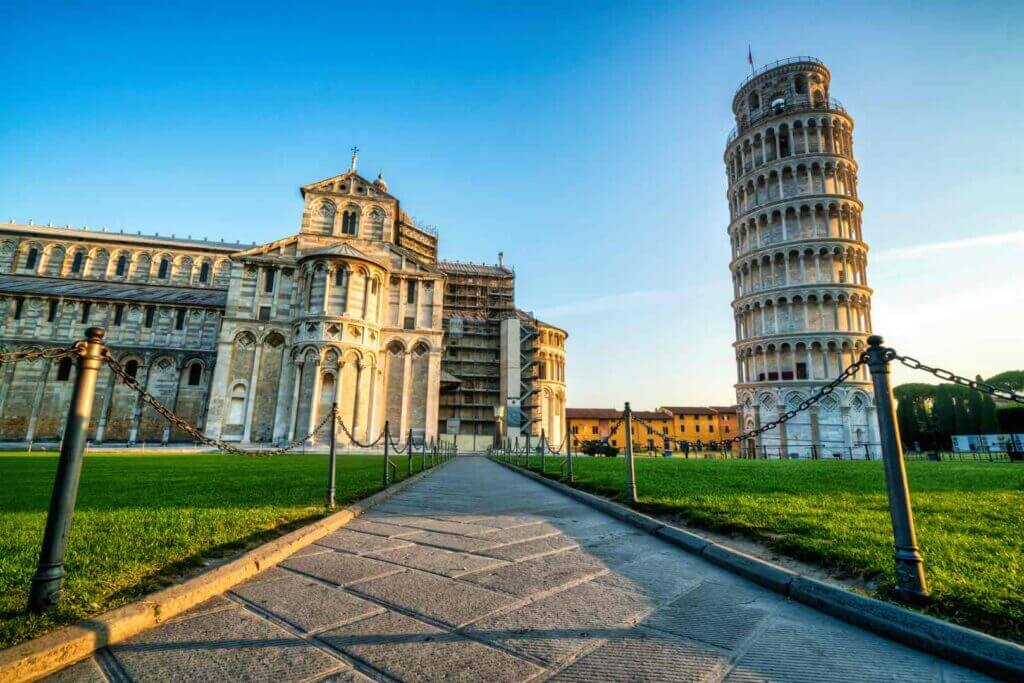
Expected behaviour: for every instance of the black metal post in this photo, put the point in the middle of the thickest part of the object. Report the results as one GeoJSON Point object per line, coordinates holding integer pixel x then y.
{"type": "Point", "coordinates": [543, 449]}
{"type": "Point", "coordinates": [332, 458]}
{"type": "Point", "coordinates": [47, 583]}
{"type": "Point", "coordinates": [910, 579]}
{"type": "Point", "coordinates": [387, 439]}
{"type": "Point", "coordinates": [568, 450]}
{"type": "Point", "coordinates": [630, 471]}
{"type": "Point", "coordinates": [528, 447]}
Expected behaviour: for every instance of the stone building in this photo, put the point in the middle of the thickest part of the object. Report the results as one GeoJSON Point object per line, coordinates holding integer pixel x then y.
{"type": "Point", "coordinates": [253, 343]}
{"type": "Point", "coordinates": [801, 302]}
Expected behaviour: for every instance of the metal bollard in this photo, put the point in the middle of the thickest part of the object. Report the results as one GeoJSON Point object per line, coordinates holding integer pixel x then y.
{"type": "Point", "coordinates": [630, 471]}
{"type": "Point", "coordinates": [387, 438]}
{"type": "Point", "coordinates": [543, 447]}
{"type": "Point", "coordinates": [332, 458]}
{"type": "Point", "coordinates": [910, 579]}
{"type": "Point", "coordinates": [48, 580]}
{"type": "Point", "coordinates": [568, 449]}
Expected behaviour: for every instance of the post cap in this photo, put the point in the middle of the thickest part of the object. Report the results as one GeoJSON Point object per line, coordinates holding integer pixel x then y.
{"type": "Point", "coordinates": [875, 340]}
{"type": "Point", "coordinates": [95, 333]}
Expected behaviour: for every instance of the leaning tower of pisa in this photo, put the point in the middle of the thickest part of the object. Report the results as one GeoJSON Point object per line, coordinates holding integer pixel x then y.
{"type": "Point", "coordinates": [799, 263]}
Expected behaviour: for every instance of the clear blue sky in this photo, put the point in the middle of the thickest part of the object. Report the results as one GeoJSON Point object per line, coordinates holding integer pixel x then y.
{"type": "Point", "coordinates": [583, 139]}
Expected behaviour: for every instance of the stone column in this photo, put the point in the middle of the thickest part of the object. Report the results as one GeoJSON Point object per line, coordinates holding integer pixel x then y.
{"type": "Point", "coordinates": [314, 404]}
{"type": "Point", "coordinates": [5, 384]}
{"type": "Point", "coordinates": [299, 362]}
{"type": "Point", "coordinates": [328, 272]}
{"type": "Point", "coordinates": [133, 433]}
{"type": "Point", "coordinates": [218, 387]}
{"type": "Point", "coordinates": [173, 403]}
{"type": "Point", "coordinates": [406, 392]}
{"type": "Point", "coordinates": [108, 397]}
{"type": "Point", "coordinates": [283, 409]}
{"type": "Point", "coordinates": [433, 393]}
{"type": "Point", "coordinates": [250, 404]}
{"type": "Point", "coordinates": [37, 401]}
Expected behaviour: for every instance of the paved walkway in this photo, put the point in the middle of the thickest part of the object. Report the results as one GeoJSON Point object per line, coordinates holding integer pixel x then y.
{"type": "Point", "coordinates": [479, 574]}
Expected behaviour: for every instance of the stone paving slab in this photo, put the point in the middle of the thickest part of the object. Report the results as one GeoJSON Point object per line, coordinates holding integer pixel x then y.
{"type": "Point", "coordinates": [558, 627]}
{"type": "Point", "coordinates": [540, 574]}
{"type": "Point", "coordinates": [447, 562]}
{"type": "Point", "coordinates": [86, 671]}
{"type": "Point", "coordinates": [596, 600]}
{"type": "Point", "coordinates": [379, 528]}
{"type": "Point", "coordinates": [358, 543]}
{"type": "Point", "coordinates": [340, 568]}
{"type": "Point", "coordinates": [229, 645]}
{"type": "Point", "coordinates": [409, 650]}
{"type": "Point", "coordinates": [527, 549]}
{"type": "Point", "coordinates": [446, 601]}
{"type": "Point", "coordinates": [305, 603]}
{"type": "Point", "coordinates": [641, 655]}
{"type": "Point", "coordinates": [453, 541]}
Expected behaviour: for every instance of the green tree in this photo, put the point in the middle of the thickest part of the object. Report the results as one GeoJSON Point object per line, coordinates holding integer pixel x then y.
{"type": "Point", "coordinates": [974, 402]}
{"type": "Point", "coordinates": [944, 412]}
{"type": "Point", "coordinates": [988, 421]}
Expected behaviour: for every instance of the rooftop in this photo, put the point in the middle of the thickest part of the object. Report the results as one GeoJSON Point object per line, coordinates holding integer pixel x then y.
{"type": "Point", "coordinates": [95, 289]}
{"type": "Point", "coordinates": [85, 233]}
{"type": "Point", "coordinates": [468, 268]}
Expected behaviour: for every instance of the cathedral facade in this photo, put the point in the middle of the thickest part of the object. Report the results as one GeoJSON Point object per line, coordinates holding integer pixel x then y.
{"type": "Point", "coordinates": [252, 343]}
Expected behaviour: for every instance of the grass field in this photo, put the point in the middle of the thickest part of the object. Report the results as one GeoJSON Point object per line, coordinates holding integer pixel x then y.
{"type": "Point", "coordinates": [969, 516]}
{"type": "Point", "coordinates": [141, 520]}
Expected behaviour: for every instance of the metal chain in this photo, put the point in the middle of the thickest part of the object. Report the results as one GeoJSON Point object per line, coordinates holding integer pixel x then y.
{"type": "Point", "coordinates": [558, 450]}
{"type": "Point", "coordinates": [846, 374]}
{"type": "Point", "coordinates": [192, 430]}
{"type": "Point", "coordinates": [983, 387]}
{"type": "Point", "coordinates": [394, 446]}
{"type": "Point", "coordinates": [611, 432]}
{"type": "Point", "coordinates": [352, 437]}
{"type": "Point", "coordinates": [52, 352]}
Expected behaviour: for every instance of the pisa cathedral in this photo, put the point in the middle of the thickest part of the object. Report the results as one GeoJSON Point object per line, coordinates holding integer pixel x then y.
{"type": "Point", "coordinates": [253, 343]}
{"type": "Point", "coordinates": [801, 303]}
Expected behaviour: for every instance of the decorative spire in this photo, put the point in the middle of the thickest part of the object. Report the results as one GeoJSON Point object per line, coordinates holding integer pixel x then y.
{"type": "Point", "coordinates": [381, 184]}
{"type": "Point", "coordinates": [355, 158]}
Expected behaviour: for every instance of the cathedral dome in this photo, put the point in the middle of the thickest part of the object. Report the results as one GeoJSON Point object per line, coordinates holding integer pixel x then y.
{"type": "Point", "coordinates": [380, 183]}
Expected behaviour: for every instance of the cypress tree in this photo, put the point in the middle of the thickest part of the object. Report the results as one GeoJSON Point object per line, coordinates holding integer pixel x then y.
{"type": "Point", "coordinates": [944, 413]}
{"type": "Point", "coordinates": [988, 421]}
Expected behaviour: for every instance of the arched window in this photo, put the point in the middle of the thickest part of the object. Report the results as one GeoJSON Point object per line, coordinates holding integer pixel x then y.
{"type": "Point", "coordinates": [122, 265]}
{"type": "Point", "coordinates": [64, 370]}
{"type": "Point", "coordinates": [195, 374]}
{"type": "Point", "coordinates": [325, 217]}
{"type": "Point", "coordinates": [30, 261]}
{"type": "Point", "coordinates": [76, 263]}
{"type": "Point", "coordinates": [350, 222]}
{"type": "Point", "coordinates": [204, 273]}
{"type": "Point", "coordinates": [754, 101]}
{"type": "Point", "coordinates": [165, 267]}
{"type": "Point", "coordinates": [800, 85]}
{"type": "Point", "coordinates": [131, 368]}
{"type": "Point", "coordinates": [236, 409]}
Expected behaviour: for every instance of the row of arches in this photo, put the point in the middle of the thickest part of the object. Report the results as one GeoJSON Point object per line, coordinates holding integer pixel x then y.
{"type": "Point", "coordinates": [819, 312]}
{"type": "Point", "coordinates": [330, 219]}
{"type": "Point", "coordinates": [828, 265]}
{"type": "Point", "coordinates": [123, 265]}
{"type": "Point", "coordinates": [335, 288]}
{"type": "Point", "coordinates": [799, 361]}
{"type": "Point", "coordinates": [843, 424]}
{"type": "Point", "coordinates": [838, 220]}
{"type": "Point", "coordinates": [813, 135]}
{"type": "Point", "coordinates": [793, 181]}
{"type": "Point", "coordinates": [551, 366]}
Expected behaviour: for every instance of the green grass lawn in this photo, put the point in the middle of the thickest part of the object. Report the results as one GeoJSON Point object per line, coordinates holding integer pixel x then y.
{"type": "Point", "coordinates": [142, 519]}
{"type": "Point", "coordinates": [969, 516]}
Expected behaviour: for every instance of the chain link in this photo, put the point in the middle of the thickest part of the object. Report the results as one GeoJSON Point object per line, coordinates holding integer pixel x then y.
{"type": "Point", "coordinates": [558, 450]}
{"type": "Point", "coordinates": [191, 429]}
{"type": "Point", "coordinates": [51, 352]}
{"type": "Point", "coordinates": [946, 375]}
{"type": "Point", "coordinates": [352, 437]}
{"type": "Point", "coordinates": [807, 403]}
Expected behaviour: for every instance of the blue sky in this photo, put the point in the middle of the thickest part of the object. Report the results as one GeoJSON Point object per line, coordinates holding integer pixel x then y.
{"type": "Point", "coordinates": [583, 139]}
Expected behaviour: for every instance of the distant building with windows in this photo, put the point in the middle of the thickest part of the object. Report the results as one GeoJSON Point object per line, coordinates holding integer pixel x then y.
{"type": "Point", "coordinates": [674, 427]}
{"type": "Point", "coordinates": [253, 343]}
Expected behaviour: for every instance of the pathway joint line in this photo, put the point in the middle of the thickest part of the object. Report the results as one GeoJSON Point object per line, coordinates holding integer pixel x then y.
{"type": "Point", "coordinates": [994, 656]}
{"type": "Point", "coordinates": [65, 646]}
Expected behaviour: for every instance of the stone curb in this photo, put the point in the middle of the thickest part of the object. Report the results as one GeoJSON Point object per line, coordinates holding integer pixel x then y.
{"type": "Point", "coordinates": [54, 651]}
{"type": "Point", "coordinates": [994, 656]}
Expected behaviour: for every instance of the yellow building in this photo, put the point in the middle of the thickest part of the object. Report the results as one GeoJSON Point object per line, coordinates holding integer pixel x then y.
{"type": "Point", "coordinates": [675, 427]}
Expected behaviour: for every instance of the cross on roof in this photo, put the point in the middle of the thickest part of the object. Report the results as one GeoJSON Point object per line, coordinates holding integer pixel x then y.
{"type": "Point", "coordinates": [355, 157]}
